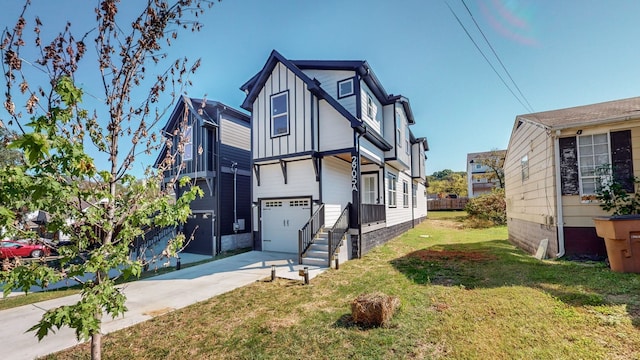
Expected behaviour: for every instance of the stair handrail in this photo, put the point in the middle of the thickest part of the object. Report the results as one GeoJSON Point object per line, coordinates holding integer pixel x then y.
{"type": "Point", "coordinates": [309, 231]}
{"type": "Point", "coordinates": [337, 231]}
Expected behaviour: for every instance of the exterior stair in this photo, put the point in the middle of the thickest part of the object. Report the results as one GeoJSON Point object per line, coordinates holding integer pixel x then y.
{"type": "Point", "coordinates": [318, 252]}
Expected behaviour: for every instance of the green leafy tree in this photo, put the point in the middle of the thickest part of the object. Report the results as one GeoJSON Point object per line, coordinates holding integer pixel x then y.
{"type": "Point", "coordinates": [8, 156]}
{"type": "Point", "coordinates": [107, 205]}
{"type": "Point", "coordinates": [448, 182]}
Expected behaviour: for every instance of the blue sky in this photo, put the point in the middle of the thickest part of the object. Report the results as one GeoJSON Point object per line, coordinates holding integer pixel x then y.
{"type": "Point", "coordinates": [560, 53]}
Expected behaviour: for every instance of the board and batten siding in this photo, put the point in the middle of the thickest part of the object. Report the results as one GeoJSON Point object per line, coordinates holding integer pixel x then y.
{"type": "Point", "coordinates": [336, 187]}
{"type": "Point", "coordinates": [329, 81]}
{"type": "Point", "coordinates": [299, 138]}
{"type": "Point", "coordinates": [399, 214]}
{"type": "Point", "coordinates": [532, 199]}
{"type": "Point", "coordinates": [301, 181]}
{"type": "Point", "coordinates": [335, 131]}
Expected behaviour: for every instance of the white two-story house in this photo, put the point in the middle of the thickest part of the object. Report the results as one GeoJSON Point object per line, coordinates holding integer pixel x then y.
{"type": "Point", "coordinates": [334, 160]}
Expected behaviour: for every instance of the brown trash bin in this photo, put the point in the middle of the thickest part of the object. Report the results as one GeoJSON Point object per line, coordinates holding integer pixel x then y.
{"type": "Point", "coordinates": [622, 239]}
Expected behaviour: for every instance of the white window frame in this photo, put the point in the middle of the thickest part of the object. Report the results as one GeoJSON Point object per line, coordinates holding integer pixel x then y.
{"type": "Point", "coordinates": [349, 93]}
{"type": "Point", "coordinates": [590, 160]}
{"type": "Point", "coordinates": [372, 109]}
{"type": "Point", "coordinates": [284, 114]}
{"type": "Point", "coordinates": [369, 189]}
{"type": "Point", "coordinates": [524, 165]}
{"type": "Point", "coordinates": [187, 155]}
{"type": "Point", "coordinates": [392, 200]}
{"type": "Point", "coordinates": [405, 193]}
{"type": "Point", "coordinates": [414, 196]}
{"type": "Point", "coordinates": [399, 128]}
{"type": "Point", "coordinates": [406, 140]}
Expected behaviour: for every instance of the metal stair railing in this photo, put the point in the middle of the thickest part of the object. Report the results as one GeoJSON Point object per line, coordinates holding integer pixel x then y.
{"type": "Point", "coordinates": [337, 232]}
{"type": "Point", "coordinates": [309, 231]}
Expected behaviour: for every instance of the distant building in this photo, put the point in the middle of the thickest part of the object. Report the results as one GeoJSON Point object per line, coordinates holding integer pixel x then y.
{"type": "Point", "coordinates": [481, 177]}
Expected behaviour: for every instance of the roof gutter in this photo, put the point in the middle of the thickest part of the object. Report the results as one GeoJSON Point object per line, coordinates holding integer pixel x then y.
{"type": "Point", "coordinates": [586, 123]}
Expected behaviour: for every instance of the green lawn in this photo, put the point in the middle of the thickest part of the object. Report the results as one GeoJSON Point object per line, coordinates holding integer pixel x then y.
{"type": "Point", "coordinates": [465, 294]}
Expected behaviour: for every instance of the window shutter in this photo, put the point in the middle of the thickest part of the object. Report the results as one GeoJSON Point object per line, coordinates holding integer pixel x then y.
{"type": "Point", "coordinates": [569, 166]}
{"type": "Point", "coordinates": [621, 159]}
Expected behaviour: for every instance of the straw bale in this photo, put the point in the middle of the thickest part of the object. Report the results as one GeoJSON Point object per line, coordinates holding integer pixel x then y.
{"type": "Point", "coordinates": [374, 309]}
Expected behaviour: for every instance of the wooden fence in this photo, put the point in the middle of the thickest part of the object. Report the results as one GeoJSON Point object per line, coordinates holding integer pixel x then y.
{"type": "Point", "coordinates": [447, 204]}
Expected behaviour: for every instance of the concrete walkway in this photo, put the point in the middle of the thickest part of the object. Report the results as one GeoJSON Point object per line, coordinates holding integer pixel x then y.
{"type": "Point", "coordinates": [148, 298]}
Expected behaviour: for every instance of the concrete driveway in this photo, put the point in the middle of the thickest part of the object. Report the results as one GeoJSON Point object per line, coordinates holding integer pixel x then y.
{"type": "Point", "coordinates": [148, 298]}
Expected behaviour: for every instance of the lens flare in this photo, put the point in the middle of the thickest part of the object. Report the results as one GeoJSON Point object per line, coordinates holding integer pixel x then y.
{"type": "Point", "coordinates": [511, 19]}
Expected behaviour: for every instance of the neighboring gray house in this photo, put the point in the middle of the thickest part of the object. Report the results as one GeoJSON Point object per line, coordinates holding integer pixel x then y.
{"type": "Point", "coordinates": [333, 155]}
{"type": "Point", "coordinates": [217, 158]}
{"type": "Point", "coordinates": [481, 175]}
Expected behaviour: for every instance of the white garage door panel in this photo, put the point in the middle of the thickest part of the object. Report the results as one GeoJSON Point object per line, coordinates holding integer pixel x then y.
{"type": "Point", "coordinates": [281, 220]}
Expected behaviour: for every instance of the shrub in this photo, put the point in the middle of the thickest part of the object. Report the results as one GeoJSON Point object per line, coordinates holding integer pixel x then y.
{"type": "Point", "coordinates": [490, 207]}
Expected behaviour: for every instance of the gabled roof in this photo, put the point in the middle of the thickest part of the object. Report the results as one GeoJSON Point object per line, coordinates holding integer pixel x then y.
{"type": "Point", "coordinates": [253, 87]}
{"type": "Point", "coordinates": [593, 114]}
{"type": "Point", "coordinates": [361, 67]}
{"type": "Point", "coordinates": [471, 157]}
{"type": "Point", "coordinates": [207, 115]}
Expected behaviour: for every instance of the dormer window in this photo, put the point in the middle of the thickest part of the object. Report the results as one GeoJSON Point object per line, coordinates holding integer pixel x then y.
{"type": "Point", "coordinates": [280, 114]}
{"type": "Point", "coordinates": [345, 88]}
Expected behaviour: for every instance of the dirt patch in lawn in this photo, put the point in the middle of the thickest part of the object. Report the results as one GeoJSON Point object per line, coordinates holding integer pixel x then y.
{"type": "Point", "coordinates": [446, 224]}
{"type": "Point", "coordinates": [446, 255]}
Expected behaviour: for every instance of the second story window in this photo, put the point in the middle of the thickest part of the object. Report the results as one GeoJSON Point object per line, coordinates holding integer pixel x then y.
{"type": "Point", "coordinates": [406, 140]}
{"type": "Point", "coordinates": [399, 128]}
{"type": "Point", "coordinates": [280, 114]}
{"type": "Point", "coordinates": [372, 109]}
{"type": "Point", "coordinates": [345, 88]}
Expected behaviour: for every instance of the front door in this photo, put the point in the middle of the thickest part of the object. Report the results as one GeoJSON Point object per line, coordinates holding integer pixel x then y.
{"type": "Point", "coordinates": [281, 220]}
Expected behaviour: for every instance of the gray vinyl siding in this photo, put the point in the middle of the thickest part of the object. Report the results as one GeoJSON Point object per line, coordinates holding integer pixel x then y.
{"type": "Point", "coordinates": [234, 133]}
{"type": "Point", "coordinates": [228, 154]}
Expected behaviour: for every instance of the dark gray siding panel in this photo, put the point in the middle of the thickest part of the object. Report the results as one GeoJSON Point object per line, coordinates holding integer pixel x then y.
{"type": "Point", "coordinates": [243, 204]}
{"type": "Point", "coordinates": [201, 226]}
{"type": "Point", "coordinates": [230, 153]}
{"type": "Point", "coordinates": [207, 202]}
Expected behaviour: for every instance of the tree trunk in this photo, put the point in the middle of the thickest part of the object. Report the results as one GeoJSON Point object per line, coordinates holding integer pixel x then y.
{"type": "Point", "coordinates": [96, 346]}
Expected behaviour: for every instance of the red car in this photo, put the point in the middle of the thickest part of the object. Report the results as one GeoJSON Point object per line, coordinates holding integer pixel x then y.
{"type": "Point", "coordinates": [10, 249]}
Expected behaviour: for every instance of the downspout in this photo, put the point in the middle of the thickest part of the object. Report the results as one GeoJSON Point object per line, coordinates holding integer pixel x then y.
{"type": "Point", "coordinates": [559, 213]}
{"type": "Point", "coordinates": [234, 167]}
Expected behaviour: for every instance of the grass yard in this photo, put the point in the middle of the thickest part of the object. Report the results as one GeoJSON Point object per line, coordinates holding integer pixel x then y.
{"type": "Point", "coordinates": [465, 294]}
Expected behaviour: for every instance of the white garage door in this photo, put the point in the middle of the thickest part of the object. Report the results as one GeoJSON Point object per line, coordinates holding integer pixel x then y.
{"type": "Point", "coordinates": [281, 220]}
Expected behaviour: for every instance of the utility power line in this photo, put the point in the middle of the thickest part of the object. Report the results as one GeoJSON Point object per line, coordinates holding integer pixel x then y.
{"type": "Point", "coordinates": [524, 103]}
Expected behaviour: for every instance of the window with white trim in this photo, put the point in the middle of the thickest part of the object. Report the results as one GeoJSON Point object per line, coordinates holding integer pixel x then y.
{"type": "Point", "coordinates": [414, 197]}
{"type": "Point", "coordinates": [391, 190]}
{"type": "Point", "coordinates": [524, 165]}
{"type": "Point", "coordinates": [407, 136]}
{"type": "Point", "coordinates": [593, 154]}
{"type": "Point", "coordinates": [399, 128]}
{"type": "Point", "coordinates": [188, 144]}
{"type": "Point", "coordinates": [345, 88]}
{"type": "Point", "coordinates": [405, 193]}
{"type": "Point", "coordinates": [369, 189]}
{"type": "Point", "coordinates": [280, 114]}
{"type": "Point", "coordinates": [372, 109]}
